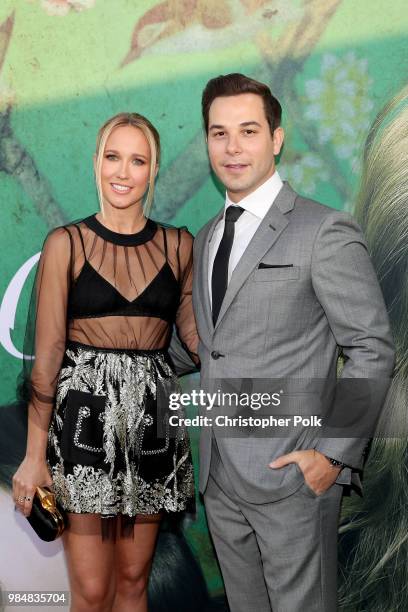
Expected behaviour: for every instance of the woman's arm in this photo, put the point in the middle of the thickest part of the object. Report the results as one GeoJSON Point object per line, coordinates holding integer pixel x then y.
{"type": "Point", "coordinates": [51, 294]}
{"type": "Point", "coordinates": [185, 320]}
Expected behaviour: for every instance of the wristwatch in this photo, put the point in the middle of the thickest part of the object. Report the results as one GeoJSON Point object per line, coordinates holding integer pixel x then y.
{"type": "Point", "coordinates": [335, 463]}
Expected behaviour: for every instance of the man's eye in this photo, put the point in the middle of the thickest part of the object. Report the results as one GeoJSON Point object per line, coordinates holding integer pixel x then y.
{"type": "Point", "coordinates": [217, 134]}
{"type": "Point", "coordinates": [248, 131]}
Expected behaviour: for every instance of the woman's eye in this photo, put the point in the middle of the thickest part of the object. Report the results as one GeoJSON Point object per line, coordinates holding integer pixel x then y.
{"type": "Point", "coordinates": [138, 162]}
{"type": "Point", "coordinates": [111, 157]}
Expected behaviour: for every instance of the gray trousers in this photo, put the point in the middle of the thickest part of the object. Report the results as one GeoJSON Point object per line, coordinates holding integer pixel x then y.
{"type": "Point", "coordinates": [279, 556]}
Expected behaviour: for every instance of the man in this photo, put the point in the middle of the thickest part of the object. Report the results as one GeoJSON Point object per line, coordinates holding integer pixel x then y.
{"type": "Point", "coordinates": [282, 284]}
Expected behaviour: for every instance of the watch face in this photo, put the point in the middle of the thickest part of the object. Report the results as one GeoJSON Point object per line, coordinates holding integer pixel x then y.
{"type": "Point", "coordinates": [336, 463]}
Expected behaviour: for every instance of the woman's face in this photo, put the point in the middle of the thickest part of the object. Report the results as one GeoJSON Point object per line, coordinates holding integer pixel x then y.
{"type": "Point", "coordinates": [125, 167]}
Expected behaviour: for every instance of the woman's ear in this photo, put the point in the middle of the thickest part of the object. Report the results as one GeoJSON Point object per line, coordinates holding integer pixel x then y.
{"type": "Point", "coordinates": [157, 170]}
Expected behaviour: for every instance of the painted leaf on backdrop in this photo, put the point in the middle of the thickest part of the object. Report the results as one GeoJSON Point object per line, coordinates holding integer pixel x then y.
{"type": "Point", "coordinates": [6, 29]}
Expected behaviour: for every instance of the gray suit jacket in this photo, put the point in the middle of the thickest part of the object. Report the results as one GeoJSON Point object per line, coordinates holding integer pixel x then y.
{"type": "Point", "coordinates": [314, 295]}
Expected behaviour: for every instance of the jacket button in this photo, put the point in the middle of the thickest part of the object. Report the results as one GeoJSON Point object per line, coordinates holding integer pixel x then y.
{"type": "Point", "coordinates": [216, 355]}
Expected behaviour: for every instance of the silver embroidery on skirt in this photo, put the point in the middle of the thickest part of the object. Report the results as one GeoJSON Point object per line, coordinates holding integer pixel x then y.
{"type": "Point", "coordinates": [124, 379]}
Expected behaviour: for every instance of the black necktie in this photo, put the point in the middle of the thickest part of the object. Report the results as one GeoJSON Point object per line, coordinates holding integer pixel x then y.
{"type": "Point", "coordinates": [219, 280]}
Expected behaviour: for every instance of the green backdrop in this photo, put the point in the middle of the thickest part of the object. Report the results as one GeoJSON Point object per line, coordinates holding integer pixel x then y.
{"type": "Point", "coordinates": [67, 65]}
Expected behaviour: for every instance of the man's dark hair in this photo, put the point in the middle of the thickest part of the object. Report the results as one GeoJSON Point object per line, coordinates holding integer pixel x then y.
{"type": "Point", "coordinates": [235, 84]}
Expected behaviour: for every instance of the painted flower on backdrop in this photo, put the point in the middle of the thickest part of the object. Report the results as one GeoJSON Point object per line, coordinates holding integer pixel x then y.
{"type": "Point", "coordinates": [305, 172]}
{"type": "Point", "coordinates": [61, 8]}
{"type": "Point", "coordinates": [338, 101]}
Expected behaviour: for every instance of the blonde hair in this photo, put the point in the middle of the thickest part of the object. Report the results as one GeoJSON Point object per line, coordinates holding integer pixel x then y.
{"type": "Point", "coordinates": [152, 137]}
{"type": "Point", "coordinates": [375, 570]}
{"type": "Point", "coordinates": [382, 211]}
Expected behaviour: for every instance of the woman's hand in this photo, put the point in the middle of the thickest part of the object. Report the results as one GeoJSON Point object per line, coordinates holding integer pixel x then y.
{"type": "Point", "coordinates": [32, 473]}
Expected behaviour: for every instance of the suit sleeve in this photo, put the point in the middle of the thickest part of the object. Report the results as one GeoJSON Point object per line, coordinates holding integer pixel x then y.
{"type": "Point", "coordinates": [348, 290]}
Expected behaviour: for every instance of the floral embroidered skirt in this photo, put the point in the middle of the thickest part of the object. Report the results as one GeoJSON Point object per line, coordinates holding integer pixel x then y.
{"type": "Point", "coordinates": [110, 448]}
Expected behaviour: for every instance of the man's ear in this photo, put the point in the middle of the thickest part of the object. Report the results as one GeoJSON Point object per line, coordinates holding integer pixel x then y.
{"type": "Point", "coordinates": [278, 137]}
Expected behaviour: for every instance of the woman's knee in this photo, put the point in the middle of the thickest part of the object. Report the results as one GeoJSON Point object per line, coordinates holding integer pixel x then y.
{"type": "Point", "coordinates": [93, 594]}
{"type": "Point", "coordinates": [132, 579]}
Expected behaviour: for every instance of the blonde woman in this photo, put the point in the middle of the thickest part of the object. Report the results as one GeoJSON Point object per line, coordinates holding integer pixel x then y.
{"type": "Point", "coordinates": [108, 290]}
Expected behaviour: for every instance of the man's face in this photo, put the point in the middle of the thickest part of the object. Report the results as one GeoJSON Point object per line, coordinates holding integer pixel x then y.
{"type": "Point", "coordinates": [240, 145]}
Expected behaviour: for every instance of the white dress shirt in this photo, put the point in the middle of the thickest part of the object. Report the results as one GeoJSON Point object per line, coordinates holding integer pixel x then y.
{"type": "Point", "coordinates": [255, 206]}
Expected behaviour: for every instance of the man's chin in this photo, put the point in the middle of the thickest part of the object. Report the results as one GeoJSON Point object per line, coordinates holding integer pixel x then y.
{"type": "Point", "coordinates": [237, 184]}
{"type": "Point", "coordinates": [238, 191]}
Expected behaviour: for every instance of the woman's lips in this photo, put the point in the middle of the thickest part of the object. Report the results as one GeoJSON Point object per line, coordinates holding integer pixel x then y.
{"type": "Point", "coordinates": [121, 189]}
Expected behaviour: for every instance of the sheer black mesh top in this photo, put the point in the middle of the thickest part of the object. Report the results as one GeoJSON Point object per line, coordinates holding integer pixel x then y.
{"type": "Point", "coordinates": [110, 290]}
{"type": "Point", "coordinates": [104, 289]}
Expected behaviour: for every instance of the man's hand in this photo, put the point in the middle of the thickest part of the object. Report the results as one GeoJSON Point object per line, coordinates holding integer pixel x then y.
{"type": "Point", "coordinates": [318, 472]}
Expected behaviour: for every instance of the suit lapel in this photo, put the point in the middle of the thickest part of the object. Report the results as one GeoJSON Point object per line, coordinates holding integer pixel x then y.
{"type": "Point", "coordinates": [265, 236]}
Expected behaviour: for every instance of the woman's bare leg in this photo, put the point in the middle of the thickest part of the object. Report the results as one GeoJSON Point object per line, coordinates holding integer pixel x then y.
{"type": "Point", "coordinates": [133, 560]}
{"type": "Point", "coordinates": [90, 564]}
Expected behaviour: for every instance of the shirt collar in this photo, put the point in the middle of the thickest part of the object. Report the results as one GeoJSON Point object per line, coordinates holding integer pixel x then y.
{"type": "Point", "coordinates": [259, 201]}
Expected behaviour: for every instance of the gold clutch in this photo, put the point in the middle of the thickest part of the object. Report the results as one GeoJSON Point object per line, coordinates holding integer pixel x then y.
{"type": "Point", "coordinates": [47, 517]}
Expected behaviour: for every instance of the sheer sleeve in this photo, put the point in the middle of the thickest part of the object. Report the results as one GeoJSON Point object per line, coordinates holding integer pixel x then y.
{"type": "Point", "coordinates": [50, 297]}
{"type": "Point", "coordinates": [185, 321]}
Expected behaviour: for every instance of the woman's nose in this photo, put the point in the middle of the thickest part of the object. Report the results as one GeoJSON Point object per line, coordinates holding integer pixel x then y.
{"type": "Point", "coordinates": [122, 170]}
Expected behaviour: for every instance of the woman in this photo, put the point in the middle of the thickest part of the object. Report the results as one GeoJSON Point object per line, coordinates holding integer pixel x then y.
{"type": "Point", "coordinates": [374, 540]}
{"type": "Point", "coordinates": [108, 290]}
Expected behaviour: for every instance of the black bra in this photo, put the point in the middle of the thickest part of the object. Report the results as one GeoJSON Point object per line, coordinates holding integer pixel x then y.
{"type": "Point", "coordinates": [91, 295]}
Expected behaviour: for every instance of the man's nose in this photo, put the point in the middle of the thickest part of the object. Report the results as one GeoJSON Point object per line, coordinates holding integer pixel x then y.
{"type": "Point", "coordinates": [233, 145]}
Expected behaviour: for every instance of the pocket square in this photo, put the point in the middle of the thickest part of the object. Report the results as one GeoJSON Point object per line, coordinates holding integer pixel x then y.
{"type": "Point", "coordinates": [265, 265]}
